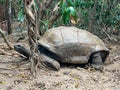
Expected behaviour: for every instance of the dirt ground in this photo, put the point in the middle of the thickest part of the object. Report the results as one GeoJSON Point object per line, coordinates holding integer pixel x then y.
{"type": "Point", "coordinates": [15, 74]}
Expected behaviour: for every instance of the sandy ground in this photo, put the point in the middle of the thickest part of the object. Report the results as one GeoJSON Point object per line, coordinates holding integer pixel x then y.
{"type": "Point", "coordinates": [15, 74]}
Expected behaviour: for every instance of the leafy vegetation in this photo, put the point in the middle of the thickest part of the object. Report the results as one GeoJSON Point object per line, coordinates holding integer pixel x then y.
{"type": "Point", "coordinates": [87, 14]}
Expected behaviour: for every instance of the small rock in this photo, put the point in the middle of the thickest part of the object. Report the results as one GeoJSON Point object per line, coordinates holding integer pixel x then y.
{"type": "Point", "coordinates": [47, 85]}
{"type": "Point", "coordinates": [66, 73]}
{"type": "Point", "coordinates": [78, 68]}
{"type": "Point", "coordinates": [17, 81]}
{"type": "Point", "coordinates": [10, 75]}
{"type": "Point", "coordinates": [77, 85]}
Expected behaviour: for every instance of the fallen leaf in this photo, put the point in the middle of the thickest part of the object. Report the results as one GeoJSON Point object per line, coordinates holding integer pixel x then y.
{"type": "Point", "coordinates": [2, 82]}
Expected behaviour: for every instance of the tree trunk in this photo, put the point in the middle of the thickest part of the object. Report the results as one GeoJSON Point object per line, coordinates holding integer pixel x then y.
{"type": "Point", "coordinates": [8, 12]}
{"type": "Point", "coordinates": [31, 16]}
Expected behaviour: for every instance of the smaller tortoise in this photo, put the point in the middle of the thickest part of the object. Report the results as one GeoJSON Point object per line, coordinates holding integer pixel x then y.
{"type": "Point", "coordinates": [71, 45]}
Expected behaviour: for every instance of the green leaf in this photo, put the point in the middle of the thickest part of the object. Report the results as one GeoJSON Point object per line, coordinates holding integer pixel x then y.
{"type": "Point", "coordinates": [20, 16]}
{"type": "Point", "coordinates": [70, 2]}
{"type": "Point", "coordinates": [65, 17]}
{"type": "Point", "coordinates": [118, 6]}
{"type": "Point", "coordinates": [72, 11]}
{"type": "Point", "coordinates": [36, 6]}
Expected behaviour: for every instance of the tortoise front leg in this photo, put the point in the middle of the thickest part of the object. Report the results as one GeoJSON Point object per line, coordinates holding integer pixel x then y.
{"type": "Point", "coordinates": [47, 61]}
{"type": "Point", "coordinates": [50, 63]}
{"type": "Point", "coordinates": [96, 61]}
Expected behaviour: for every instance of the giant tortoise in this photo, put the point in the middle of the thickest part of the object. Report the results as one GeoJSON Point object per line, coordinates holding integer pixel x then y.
{"type": "Point", "coordinates": [72, 45]}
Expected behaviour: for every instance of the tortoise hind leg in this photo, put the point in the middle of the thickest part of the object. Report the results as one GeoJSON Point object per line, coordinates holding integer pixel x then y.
{"type": "Point", "coordinates": [50, 63]}
{"type": "Point", "coordinates": [96, 61]}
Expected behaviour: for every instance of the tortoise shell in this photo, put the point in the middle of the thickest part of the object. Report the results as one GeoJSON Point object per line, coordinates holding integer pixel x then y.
{"type": "Point", "coordinates": [70, 43]}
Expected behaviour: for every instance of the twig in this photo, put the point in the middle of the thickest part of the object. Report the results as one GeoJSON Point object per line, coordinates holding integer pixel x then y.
{"type": "Point", "coordinates": [55, 16]}
{"type": "Point", "coordinates": [49, 3]}
{"type": "Point", "coordinates": [117, 57]}
{"type": "Point", "coordinates": [107, 34]}
{"type": "Point", "coordinates": [4, 53]}
{"type": "Point", "coordinates": [5, 39]}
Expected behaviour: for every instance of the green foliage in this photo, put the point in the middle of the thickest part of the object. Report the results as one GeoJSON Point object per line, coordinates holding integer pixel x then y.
{"type": "Point", "coordinates": [107, 13]}
{"type": "Point", "coordinates": [68, 11]}
{"type": "Point", "coordinates": [21, 13]}
{"type": "Point", "coordinates": [2, 1]}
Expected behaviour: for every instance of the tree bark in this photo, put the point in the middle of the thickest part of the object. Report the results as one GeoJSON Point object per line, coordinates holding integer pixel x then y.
{"type": "Point", "coordinates": [8, 12]}
{"type": "Point", "coordinates": [31, 16]}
